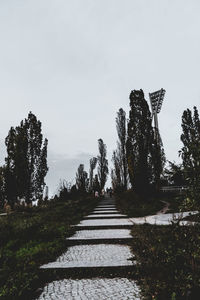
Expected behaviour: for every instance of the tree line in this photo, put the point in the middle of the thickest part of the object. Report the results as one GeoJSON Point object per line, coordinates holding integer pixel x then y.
{"type": "Point", "coordinates": [138, 161]}
{"type": "Point", "coordinates": [22, 177]}
{"type": "Point", "coordinates": [88, 183]}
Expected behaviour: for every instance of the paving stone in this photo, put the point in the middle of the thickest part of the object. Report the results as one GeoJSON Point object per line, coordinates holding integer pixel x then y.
{"type": "Point", "coordinates": [92, 289]}
{"type": "Point", "coordinates": [105, 222]}
{"type": "Point", "coordinates": [94, 256]}
{"type": "Point", "coordinates": [107, 208]}
{"type": "Point", "coordinates": [101, 255]}
{"type": "Point", "coordinates": [104, 215]}
{"type": "Point", "coordinates": [164, 219]}
{"type": "Point", "coordinates": [101, 234]}
{"type": "Point", "coordinates": [105, 211]}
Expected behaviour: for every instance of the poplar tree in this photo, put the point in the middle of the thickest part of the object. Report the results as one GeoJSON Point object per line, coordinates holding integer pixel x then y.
{"type": "Point", "coordinates": [175, 174]}
{"type": "Point", "coordinates": [2, 185]}
{"type": "Point", "coordinates": [120, 154]}
{"type": "Point", "coordinates": [102, 164]}
{"type": "Point", "coordinates": [96, 185]}
{"type": "Point", "coordinates": [10, 168]}
{"type": "Point", "coordinates": [116, 172]}
{"type": "Point", "coordinates": [190, 151]}
{"type": "Point", "coordinates": [82, 179]}
{"type": "Point", "coordinates": [139, 142]}
{"type": "Point", "coordinates": [93, 163]}
{"type": "Point", "coordinates": [26, 161]}
{"type": "Point", "coordinates": [157, 161]}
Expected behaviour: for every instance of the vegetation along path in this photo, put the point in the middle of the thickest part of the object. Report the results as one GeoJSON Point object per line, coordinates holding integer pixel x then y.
{"type": "Point", "coordinates": [98, 261]}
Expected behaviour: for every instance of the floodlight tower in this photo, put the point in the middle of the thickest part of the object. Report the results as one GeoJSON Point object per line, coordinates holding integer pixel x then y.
{"type": "Point", "coordinates": [156, 99]}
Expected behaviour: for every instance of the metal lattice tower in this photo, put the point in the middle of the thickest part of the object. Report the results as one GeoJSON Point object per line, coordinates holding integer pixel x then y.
{"type": "Point", "coordinates": [156, 99]}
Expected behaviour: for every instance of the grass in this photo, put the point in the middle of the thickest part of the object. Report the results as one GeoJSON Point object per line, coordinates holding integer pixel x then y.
{"type": "Point", "coordinates": [193, 218]}
{"type": "Point", "coordinates": [132, 205]}
{"type": "Point", "coordinates": [32, 238]}
{"type": "Point", "coordinates": [175, 201]}
{"type": "Point", "coordinates": [168, 257]}
{"type": "Point", "coordinates": [169, 261]}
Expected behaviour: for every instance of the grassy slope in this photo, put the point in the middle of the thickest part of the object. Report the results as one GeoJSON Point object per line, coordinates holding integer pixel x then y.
{"type": "Point", "coordinates": [33, 238]}
{"type": "Point", "coordinates": [130, 204]}
{"type": "Point", "coordinates": [168, 256]}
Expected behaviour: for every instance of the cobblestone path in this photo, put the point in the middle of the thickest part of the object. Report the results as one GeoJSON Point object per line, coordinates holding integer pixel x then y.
{"type": "Point", "coordinates": [101, 241]}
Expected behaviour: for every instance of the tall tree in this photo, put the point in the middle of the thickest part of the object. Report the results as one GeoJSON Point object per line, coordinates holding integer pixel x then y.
{"type": "Point", "coordinates": [157, 161]}
{"type": "Point", "coordinates": [116, 173]}
{"type": "Point", "coordinates": [82, 179]}
{"type": "Point", "coordinates": [93, 163]}
{"type": "Point", "coordinates": [2, 185]}
{"type": "Point", "coordinates": [26, 161]}
{"type": "Point", "coordinates": [139, 142]}
{"type": "Point", "coordinates": [102, 164]}
{"type": "Point", "coordinates": [96, 185]}
{"type": "Point", "coordinates": [175, 174]}
{"type": "Point", "coordinates": [122, 138]}
{"type": "Point", "coordinates": [63, 190]}
{"type": "Point", "coordinates": [190, 151]}
{"type": "Point", "coordinates": [10, 169]}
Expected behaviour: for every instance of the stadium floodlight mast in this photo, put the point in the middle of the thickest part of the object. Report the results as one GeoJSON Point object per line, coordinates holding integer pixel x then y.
{"type": "Point", "coordinates": [156, 100]}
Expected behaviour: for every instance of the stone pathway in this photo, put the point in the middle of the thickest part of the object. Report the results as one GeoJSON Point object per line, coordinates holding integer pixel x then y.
{"type": "Point", "coordinates": [91, 289]}
{"type": "Point", "coordinates": [101, 241]}
{"type": "Point", "coordinates": [101, 234]}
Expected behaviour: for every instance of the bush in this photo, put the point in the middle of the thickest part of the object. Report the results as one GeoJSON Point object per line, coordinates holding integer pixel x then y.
{"type": "Point", "coordinates": [135, 206]}
{"type": "Point", "coordinates": [169, 260]}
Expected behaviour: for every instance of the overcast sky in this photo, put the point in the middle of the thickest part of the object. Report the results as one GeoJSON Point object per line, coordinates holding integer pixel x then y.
{"type": "Point", "coordinates": [73, 63]}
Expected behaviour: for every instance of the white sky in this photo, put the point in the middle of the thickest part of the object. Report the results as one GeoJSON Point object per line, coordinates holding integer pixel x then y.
{"type": "Point", "coordinates": [74, 63]}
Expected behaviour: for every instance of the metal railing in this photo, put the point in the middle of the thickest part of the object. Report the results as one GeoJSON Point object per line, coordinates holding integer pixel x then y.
{"type": "Point", "coordinates": [175, 189]}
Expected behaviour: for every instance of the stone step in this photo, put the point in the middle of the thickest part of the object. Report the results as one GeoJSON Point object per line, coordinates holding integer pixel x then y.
{"type": "Point", "coordinates": [107, 203]}
{"type": "Point", "coordinates": [110, 236]}
{"type": "Point", "coordinates": [94, 217]}
{"type": "Point", "coordinates": [106, 215]}
{"type": "Point", "coordinates": [105, 223]}
{"type": "Point", "coordinates": [104, 227]}
{"type": "Point", "coordinates": [92, 256]}
{"type": "Point", "coordinates": [104, 212]}
{"type": "Point", "coordinates": [101, 234]}
{"type": "Point", "coordinates": [107, 206]}
{"type": "Point", "coordinates": [97, 209]}
{"type": "Point", "coordinates": [94, 289]}
{"type": "Point", "coordinates": [124, 241]}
